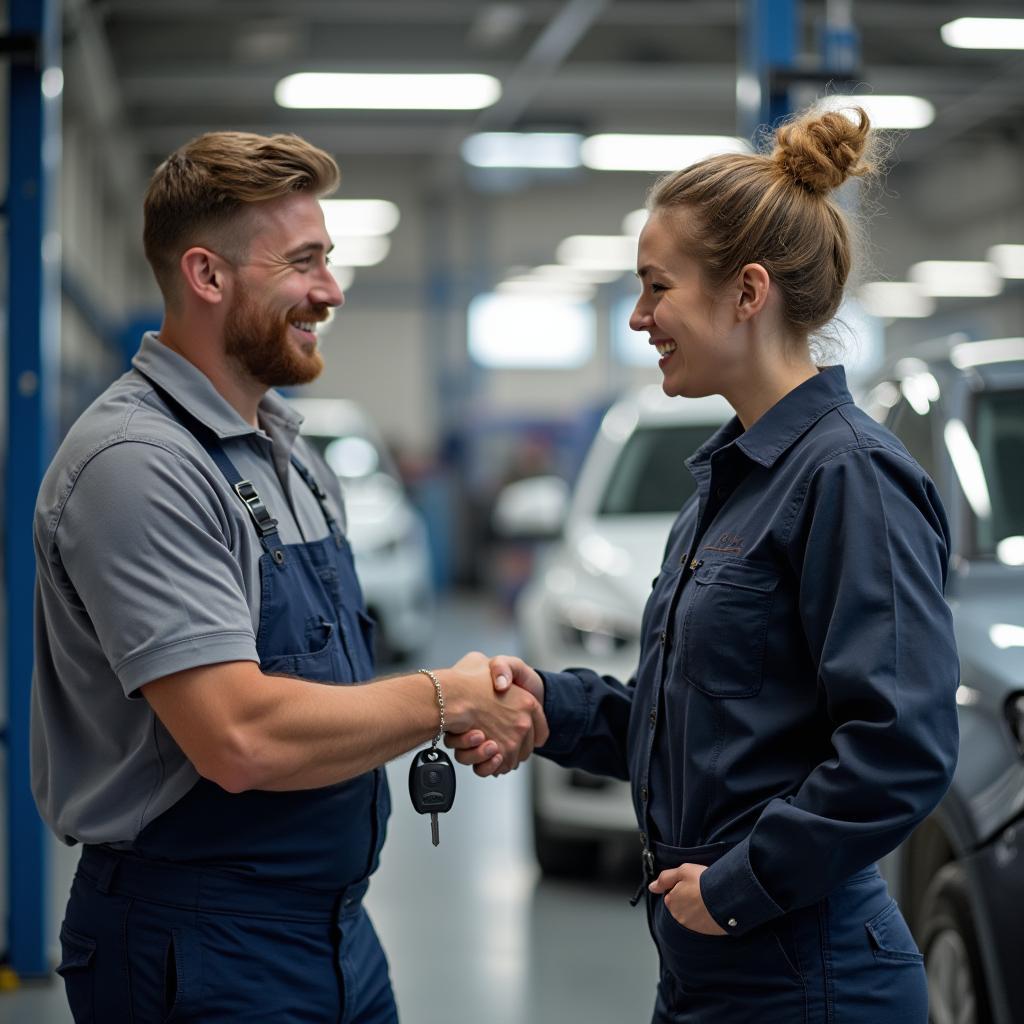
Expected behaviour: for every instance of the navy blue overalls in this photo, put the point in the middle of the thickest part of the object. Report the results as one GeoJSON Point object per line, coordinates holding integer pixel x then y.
{"type": "Point", "coordinates": [248, 907]}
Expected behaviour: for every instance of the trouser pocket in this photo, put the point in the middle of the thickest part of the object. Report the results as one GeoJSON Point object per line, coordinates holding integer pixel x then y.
{"type": "Point", "coordinates": [77, 968]}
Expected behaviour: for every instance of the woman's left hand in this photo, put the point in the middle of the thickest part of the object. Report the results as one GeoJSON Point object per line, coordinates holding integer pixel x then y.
{"type": "Point", "coordinates": [681, 887]}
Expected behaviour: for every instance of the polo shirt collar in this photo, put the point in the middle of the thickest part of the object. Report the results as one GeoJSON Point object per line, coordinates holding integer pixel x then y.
{"type": "Point", "coordinates": [784, 423]}
{"type": "Point", "coordinates": [194, 391]}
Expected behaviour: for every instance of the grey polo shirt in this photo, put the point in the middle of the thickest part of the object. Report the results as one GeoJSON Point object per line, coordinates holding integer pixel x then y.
{"type": "Point", "coordinates": [147, 564]}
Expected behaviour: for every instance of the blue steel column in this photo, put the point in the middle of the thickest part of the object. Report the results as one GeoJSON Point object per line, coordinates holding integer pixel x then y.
{"type": "Point", "coordinates": [32, 357]}
{"type": "Point", "coordinates": [770, 33]}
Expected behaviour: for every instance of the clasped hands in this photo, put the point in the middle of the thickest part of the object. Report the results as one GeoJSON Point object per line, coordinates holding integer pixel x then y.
{"type": "Point", "coordinates": [494, 725]}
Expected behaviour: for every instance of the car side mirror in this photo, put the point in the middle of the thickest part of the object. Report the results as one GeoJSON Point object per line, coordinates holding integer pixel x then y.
{"type": "Point", "coordinates": [531, 509]}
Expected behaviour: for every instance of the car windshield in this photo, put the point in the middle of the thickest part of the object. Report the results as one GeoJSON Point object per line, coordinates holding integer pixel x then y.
{"type": "Point", "coordinates": [999, 438]}
{"type": "Point", "coordinates": [649, 475]}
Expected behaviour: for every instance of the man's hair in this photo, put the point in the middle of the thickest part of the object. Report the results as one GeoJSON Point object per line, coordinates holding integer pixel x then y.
{"type": "Point", "coordinates": [201, 192]}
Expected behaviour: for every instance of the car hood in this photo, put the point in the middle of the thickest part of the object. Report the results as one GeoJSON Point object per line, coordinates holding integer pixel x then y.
{"type": "Point", "coordinates": [990, 637]}
{"type": "Point", "coordinates": [617, 557]}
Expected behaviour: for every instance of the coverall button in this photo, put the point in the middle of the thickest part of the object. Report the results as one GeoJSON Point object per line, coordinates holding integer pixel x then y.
{"type": "Point", "coordinates": [653, 716]}
{"type": "Point", "coordinates": [643, 793]}
{"type": "Point", "coordinates": [731, 922]}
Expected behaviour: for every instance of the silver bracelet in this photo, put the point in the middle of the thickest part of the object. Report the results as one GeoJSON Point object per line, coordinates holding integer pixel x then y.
{"type": "Point", "coordinates": [440, 702]}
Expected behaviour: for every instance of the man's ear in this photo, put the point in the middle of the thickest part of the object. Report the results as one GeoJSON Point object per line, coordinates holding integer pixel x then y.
{"type": "Point", "coordinates": [205, 274]}
{"type": "Point", "coordinates": [752, 294]}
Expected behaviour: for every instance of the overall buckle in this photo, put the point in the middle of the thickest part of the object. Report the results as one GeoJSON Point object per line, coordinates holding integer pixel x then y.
{"type": "Point", "coordinates": [265, 523]}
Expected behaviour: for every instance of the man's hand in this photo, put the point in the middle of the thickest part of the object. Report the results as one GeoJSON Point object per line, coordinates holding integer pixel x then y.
{"type": "Point", "coordinates": [496, 729]}
{"type": "Point", "coordinates": [681, 887]}
{"type": "Point", "coordinates": [474, 747]}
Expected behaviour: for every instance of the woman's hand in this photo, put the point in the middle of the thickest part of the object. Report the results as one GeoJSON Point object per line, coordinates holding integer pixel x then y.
{"type": "Point", "coordinates": [473, 747]}
{"type": "Point", "coordinates": [681, 887]}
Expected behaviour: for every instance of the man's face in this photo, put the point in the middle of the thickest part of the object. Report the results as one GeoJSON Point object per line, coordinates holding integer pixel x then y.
{"type": "Point", "coordinates": [283, 291]}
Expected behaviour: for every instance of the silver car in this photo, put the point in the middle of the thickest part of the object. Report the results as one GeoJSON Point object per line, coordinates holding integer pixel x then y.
{"type": "Point", "coordinates": [585, 600]}
{"type": "Point", "coordinates": [387, 534]}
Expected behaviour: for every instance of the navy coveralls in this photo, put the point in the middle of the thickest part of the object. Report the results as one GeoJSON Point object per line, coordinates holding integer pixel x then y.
{"type": "Point", "coordinates": [792, 717]}
{"type": "Point", "coordinates": [248, 907]}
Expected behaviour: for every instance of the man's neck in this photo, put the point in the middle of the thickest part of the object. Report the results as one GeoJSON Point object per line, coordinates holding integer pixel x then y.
{"type": "Point", "coordinates": [205, 351]}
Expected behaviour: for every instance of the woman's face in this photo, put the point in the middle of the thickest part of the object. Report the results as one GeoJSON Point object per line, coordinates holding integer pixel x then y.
{"type": "Point", "coordinates": [689, 326]}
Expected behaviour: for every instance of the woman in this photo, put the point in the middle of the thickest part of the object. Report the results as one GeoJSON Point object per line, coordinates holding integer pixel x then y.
{"type": "Point", "coordinates": [792, 717]}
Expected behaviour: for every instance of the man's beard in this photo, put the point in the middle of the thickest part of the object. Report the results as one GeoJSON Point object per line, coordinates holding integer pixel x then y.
{"type": "Point", "coordinates": [258, 340]}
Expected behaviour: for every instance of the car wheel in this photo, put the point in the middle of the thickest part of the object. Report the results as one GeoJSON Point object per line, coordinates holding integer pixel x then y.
{"type": "Point", "coordinates": [952, 959]}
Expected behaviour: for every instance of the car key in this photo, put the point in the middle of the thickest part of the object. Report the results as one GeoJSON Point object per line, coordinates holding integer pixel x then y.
{"type": "Point", "coordinates": [432, 786]}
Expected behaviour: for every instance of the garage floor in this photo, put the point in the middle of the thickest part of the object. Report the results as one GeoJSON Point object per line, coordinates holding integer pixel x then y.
{"type": "Point", "coordinates": [473, 932]}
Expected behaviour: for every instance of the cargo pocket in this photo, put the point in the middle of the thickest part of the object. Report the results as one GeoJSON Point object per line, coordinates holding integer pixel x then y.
{"type": "Point", "coordinates": [77, 953]}
{"type": "Point", "coordinates": [890, 937]}
{"type": "Point", "coordinates": [725, 631]}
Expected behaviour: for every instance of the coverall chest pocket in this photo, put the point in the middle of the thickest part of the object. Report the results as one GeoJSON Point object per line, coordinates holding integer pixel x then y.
{"type": "Point", "coordinates": [725, 630]}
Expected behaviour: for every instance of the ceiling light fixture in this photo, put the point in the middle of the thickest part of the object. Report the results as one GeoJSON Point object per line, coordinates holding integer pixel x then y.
{"type": "Point", "coordinates": [957, 278]}
{"type": "Point", "coordinates": [360, 217]}
{"type": "Point", "coordinates": [634, 221]}
{"type": "Point", "coordinates": [555, 150]}
{"type": "Point", "coordinates": [654, 152]}
{"type": "Point", "coordinates": [359, 251]}
{"type": "Point", "coordinates": [1009, 259]}
{"type": "Point", "coordinates": [897, 112]}
{"type": "Point", "coordinates": [315, 90]}
{"type": "Point", "coordinates": [984, 33]}
{"type": "Point", "coordinates": [895, 299]}
{"type": "Point", "coordinates": [598, 252]}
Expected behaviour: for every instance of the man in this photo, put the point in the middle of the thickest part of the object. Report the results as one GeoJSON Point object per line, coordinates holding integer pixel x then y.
{"type": "Point", "coordinates": [195, 591]}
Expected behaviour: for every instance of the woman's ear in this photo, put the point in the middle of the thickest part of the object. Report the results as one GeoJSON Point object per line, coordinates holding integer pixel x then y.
{"type": "Point", "coordinates": [204, 273]}
{"type": "Point", "coordinates": [754, 286]}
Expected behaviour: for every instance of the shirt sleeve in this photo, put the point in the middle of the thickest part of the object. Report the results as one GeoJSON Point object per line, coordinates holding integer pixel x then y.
{"type": "Point", "coordinates": [146, 545]}
{"type": "Point", "coordinates": [588, 716]}
{"type": "Point", "coordinates": [870, 549]}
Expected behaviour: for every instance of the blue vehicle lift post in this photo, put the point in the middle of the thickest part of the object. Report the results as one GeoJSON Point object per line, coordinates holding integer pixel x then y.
{"type": "Point", "coordinates": [33, 329]}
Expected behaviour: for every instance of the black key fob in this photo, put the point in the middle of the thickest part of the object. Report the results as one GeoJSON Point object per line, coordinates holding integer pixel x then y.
{"type": "Point", "coordinates": [432, 782]}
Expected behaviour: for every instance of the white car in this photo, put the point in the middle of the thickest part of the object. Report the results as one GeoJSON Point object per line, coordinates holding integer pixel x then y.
{"type": "Point", "coordinates": [584, 603]}
{"type": "Point", "coordinates": [387, 534]}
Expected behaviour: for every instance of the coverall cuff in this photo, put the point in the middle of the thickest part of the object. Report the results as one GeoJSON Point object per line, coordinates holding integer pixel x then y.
{"type": "Point", "coordinates": [567, 708]}
{"type": "Point", "coordinates": [733, 895]}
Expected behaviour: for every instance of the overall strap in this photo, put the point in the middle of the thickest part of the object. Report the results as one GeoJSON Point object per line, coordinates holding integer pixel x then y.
{"type": "Point", "coordinates": [265, 523]}
{"type": "Point", "coordinates": [321, 496]}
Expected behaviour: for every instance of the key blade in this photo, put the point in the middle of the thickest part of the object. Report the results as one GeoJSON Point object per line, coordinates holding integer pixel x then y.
{"type": "Point", "coordinates": [435, 831]}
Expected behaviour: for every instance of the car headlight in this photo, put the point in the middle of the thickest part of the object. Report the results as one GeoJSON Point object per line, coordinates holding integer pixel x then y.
{"type": "Point", "coordinates": [1014, 709]}
{"type": "Point", "coordinates": [593, 631]}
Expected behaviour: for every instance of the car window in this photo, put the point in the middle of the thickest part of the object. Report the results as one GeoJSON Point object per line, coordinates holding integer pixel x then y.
{"type": "Point", "coordinates": [650, 475]}
{"type": "Point", "coordinates": [999, 438]}
{"type": "Point", "coordinates": [916, 431]}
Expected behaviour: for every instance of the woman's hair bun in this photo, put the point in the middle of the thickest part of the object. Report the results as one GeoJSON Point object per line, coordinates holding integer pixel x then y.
{"type": "Point", "coordinates": [820, 150]}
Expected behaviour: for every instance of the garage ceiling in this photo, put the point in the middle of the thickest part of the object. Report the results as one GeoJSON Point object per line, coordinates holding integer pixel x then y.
{"type": "Point", "coordinates": [153, 73]}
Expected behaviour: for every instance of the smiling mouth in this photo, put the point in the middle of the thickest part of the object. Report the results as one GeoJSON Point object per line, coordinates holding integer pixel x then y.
{"type": "Point", "coordinates": [665, 348]}
{"type": "Point", "coordinates": [309, 326]}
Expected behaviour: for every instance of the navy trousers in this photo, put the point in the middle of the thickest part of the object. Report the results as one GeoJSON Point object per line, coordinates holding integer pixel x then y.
{"type": "Point", "coordinates": [848, 959]}
{"type": "Point", "coordinates": [147, 944]}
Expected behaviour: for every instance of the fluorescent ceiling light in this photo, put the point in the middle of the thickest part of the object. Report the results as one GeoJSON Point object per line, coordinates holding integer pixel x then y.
{"type": "Point", "coordinates": [1005, 634]}
{"type": "Point", "coordinates": [655, 152]}
{"type": "Point", "coordinates": [902, 112]}
{"type": "Point", "coordinates": [573, 291]}
{"type": "Point", "coordinates": [387, 92]}
{"type": "Point", "coordinates": [633, 223]}
{"type": "Point", "coordinates": [1009, 259]}
{"type": "Point", "coordinates": [530, 331]}
{"type": "Point", "coordinates": [893, 299]}
{"type": "Point", "coordinates": [359, 217]}
{"type": "Point", "coordinates": [359, 251]}
{"type": "Point", "coordinates": [957, 278]}
{"type": "Point", "coordinates": [984, 33]}
{"type": "Point", "coordinates": [566, 274]}
{"type": "Point", "coordinates": [344, 276]}
{"type": "Point", "coordinates": [598, 252]}
{"type": "Point", "coordinates": [522, 149]}
{"type": "Point", "coordinates": [978, 353]}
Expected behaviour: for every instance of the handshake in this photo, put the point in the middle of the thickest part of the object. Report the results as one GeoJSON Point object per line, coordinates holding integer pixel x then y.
{"type": "Point", "coordinates": [494, 712]}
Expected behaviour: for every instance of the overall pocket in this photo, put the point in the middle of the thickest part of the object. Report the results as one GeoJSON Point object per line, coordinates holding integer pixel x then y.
{"type": "Point", "coordinates": [890, 937]}
{"type": "Point", "coordinates": [725, 629]}
{"type": "Point", "coordinates": [76, 968]}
